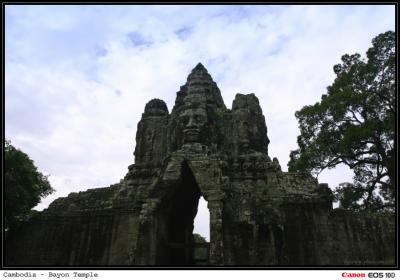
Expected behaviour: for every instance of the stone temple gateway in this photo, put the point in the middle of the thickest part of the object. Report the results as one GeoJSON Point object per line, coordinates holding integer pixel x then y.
{"type": "Point", "coordinates": [259, 215]}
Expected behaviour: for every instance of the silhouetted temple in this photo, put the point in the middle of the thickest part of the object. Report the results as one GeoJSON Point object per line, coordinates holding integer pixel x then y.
{"type": "Point", "coordinates": [259, 215]}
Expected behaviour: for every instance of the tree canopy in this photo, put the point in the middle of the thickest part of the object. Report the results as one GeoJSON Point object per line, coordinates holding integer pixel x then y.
{"type": "Point", "coordinates": [24, 185]}
{"type": "Point", "coordinates": [354, 124]}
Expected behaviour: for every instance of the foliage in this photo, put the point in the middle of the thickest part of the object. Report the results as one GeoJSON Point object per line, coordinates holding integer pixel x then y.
{"type": "Point", "coordinates": [354, 124]}
{"type": "Point", "coordinates": [350, 197]}
{"type": "Point", "coordinates": [24, 185]}
{"type": "Point", "coordinates": [197, 238]}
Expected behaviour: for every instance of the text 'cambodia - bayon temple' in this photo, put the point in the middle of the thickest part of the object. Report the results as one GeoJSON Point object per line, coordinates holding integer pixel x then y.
{"type": "Point", "coordinates": [259, 215]}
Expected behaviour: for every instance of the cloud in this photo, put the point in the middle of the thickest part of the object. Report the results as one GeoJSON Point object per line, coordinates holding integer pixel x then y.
{"type": "Point", "coordinates": [183, 32]}
{"type": "Point", "coordinates": [137, 40]}
{"type": "Point", "coordinates": [78, 77]}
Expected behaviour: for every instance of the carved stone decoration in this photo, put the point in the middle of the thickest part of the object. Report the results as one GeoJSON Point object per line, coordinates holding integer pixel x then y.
{"type": "Point", "coordinates": [259, 214]}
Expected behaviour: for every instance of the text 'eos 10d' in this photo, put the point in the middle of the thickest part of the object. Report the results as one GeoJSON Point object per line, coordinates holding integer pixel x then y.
{"type": "Point", "coordinates": [73, 274]}
{"type": "Point", "coordinates": [381, 275]}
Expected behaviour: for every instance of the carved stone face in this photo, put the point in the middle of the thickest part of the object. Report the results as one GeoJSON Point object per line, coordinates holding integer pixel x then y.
{"type": "Point", "coordinates": [244, 135]}
{"type": "Point", "coordinates": [198, 84]}
{"type": "Point", "coordinates": [193, 118]}
{"type": "Point", "coordinates": [195, 86]}
{"type": "Point", "coordinates": [193, 121]}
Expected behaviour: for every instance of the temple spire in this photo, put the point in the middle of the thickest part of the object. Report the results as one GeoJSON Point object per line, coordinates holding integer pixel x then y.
{"type": "Point", "coordinates": [199, 66]}
{"type": "Point", "coordinates": [199, 74]}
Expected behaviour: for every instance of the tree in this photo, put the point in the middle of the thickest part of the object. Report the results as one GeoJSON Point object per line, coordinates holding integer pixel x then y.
{"type": "Point", "coordinates": [354, 124]}
{"type": "Point", "coordinates": [24, 185]}
{"type": "Point", "coordinates": [197, 238]}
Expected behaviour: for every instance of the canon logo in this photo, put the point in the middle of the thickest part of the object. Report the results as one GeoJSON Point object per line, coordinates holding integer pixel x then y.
{"type": "Point", "coordinates": [352, 274]}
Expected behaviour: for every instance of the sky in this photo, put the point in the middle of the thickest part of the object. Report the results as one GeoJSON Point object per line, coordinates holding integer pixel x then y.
{"type": "Point", "coordinates": [77, 77]}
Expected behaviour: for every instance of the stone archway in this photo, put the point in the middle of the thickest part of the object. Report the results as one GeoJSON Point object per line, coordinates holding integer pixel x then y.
{"type": "Point", "coordinates": [167, 218]}
{"type": "Point", "coordinates": [180, 219]}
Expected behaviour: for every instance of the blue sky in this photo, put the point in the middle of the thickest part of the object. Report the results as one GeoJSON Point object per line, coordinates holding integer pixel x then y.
{"type": "Point", "coordinates": [78, 77]}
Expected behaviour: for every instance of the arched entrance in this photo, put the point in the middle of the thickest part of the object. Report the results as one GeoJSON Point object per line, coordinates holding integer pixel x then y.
{"type": "Point", "coordinates": [180, 247]}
